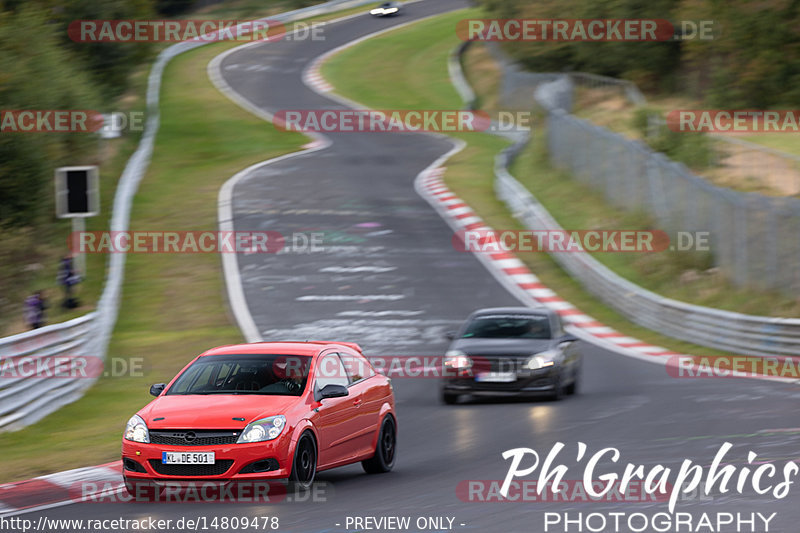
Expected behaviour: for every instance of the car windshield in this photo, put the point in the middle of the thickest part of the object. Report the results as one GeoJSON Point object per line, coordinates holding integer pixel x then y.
{"type": "Point", "coordinates": [269, 374]}
{"type": "Point", "coordinates": [508, 327]}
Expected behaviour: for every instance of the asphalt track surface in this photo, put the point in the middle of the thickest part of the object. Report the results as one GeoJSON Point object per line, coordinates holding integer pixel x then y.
{"type": "Point", "coordinates": [396, 252]}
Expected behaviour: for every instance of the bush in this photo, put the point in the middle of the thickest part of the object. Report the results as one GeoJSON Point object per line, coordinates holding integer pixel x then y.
{"type": "Point", "coordinates": [695, 150]}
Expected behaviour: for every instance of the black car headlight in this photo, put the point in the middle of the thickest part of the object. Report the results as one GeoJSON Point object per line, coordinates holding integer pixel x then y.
{"type": "Point", "coordinates": [457, 360]}
{"type": "Point", "coordinates": [262, 430]}
{"type": "Point", "coordinates": [136, 430]}
{"type": "Point", "coordinates": [542, 360]}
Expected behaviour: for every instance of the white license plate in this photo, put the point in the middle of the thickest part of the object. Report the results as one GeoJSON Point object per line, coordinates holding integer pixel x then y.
{"type": "Point", "coordinates": [497, 377]}
{"type": "Point", "coordinates": [187, 458]}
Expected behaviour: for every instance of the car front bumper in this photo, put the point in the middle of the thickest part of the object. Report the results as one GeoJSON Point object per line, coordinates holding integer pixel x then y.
{"type": "Point", "coordinates": [148, 458]}
{"type": "Point", "coordinates": [534, 384]}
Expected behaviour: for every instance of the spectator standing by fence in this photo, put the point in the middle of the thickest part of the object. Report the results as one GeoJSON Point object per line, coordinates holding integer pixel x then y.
{"type": "Point", "coordinates": [35, 305]}
{"type": "Point", "coordinates": [68, 278]}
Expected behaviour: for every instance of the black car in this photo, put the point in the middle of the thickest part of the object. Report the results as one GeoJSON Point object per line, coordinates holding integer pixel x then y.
{"type": "Point", "coordinates": [511, 351]}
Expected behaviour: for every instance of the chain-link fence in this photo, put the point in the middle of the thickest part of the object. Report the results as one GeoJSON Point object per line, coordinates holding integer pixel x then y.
{"type": "Point", "coordinates": [753, 238]}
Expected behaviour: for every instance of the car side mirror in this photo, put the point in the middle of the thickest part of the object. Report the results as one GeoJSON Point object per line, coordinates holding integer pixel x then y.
{"type": "Point", "coordinates": [157, 389]}
{"type": "Point", "coordinates": [567, 337]}
{"type": "Point", "coordinates": [331, 390]}
{"type": "Point", "coordinates": [450, 335]}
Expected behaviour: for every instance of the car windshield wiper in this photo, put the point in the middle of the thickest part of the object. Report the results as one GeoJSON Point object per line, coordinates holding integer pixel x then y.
{"type": "Point", "coordinates": [229, 392]}
{"type": "Point", "coordinates": [205, 393]}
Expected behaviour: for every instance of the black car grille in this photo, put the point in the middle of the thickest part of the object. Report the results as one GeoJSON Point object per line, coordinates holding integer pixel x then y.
{"type": "Point", "coordinates": [133, 466]}
{"type": "Point", "coordinates": [264, 465]}
{"type": "Point", "coordinates": [498, 363]}
{"type": "Point", "coordinates": [183, 437]}
{"type": "Point", "coordinates": [217, 469]}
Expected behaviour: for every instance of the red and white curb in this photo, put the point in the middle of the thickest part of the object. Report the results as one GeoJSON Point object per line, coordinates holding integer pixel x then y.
{"type": "Point", "coordinates": [313, 77]}
{"type": "Point", "coordinates": [514, 274]}
{"type": "Point", "coordinates": [62, 488]}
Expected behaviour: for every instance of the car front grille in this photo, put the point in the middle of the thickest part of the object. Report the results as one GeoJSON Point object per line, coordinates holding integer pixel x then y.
{"type": "Point", "coordinates": [183, 437]}
{"type": "Point", "coordinates": [217, 469]}
{"type": "Point", "coordinates": [498, 363]}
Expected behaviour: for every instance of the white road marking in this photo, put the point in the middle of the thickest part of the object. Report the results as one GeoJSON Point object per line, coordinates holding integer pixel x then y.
{"type": "Point", "coordinates": [349, 297]}
{"type": "Point", "coordinates": [379, 313]}
{"type": "Point", "coordinates": [340, 269]}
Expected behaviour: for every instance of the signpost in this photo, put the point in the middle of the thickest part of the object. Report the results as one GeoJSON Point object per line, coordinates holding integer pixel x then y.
{"type": "Point", "coordinates": [77, 197]}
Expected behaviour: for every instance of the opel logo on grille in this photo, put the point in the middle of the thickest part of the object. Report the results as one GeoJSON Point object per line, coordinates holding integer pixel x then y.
{"type": "Point", "coordinates": [189, 436]}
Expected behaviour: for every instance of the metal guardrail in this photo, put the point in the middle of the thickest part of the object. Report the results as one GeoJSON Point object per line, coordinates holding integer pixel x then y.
{"type": "Point", "coordinates": [705, 326]}
{"type": "Point", "coordinates": [24, 401]}
{"type": "Point", "coordinates": [594, 81]}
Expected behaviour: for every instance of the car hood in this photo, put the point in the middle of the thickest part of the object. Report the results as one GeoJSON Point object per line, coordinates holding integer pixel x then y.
{"type": "Point", "coordinates": [213, 411]}
{"type": "Point", "coordinates": [511, 347]}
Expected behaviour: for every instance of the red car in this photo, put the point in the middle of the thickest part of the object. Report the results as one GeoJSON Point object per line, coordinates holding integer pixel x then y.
{"type": "Point", "coordinates": [263, 411]}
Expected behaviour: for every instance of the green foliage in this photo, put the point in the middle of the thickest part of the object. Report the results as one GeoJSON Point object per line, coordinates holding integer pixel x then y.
{"type": "Point", "coordinates": [37, 72]}
{"type": "Point", "coordinates": [751, 61]}
{"type": "Point", "coordinates": [171, 8]}
{"type": "Point", "coordinates": [108, 63]}
{"type": "Point", "coordinates": [647, 63]}
{"type": "Point", "coordinates": [296, 4]}
{"type": "Point", "coordinates": [695, 150]}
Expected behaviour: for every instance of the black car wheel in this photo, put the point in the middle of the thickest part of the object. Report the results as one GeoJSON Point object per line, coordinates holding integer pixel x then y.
{"type": "Point", "coordinates": [304, 466]}
{"type": "Point", "coordinates": [449, 398]}
{"type": "Point", "coordinates": [385, 449]}
{"type": "Point", "coordinates": [572, 388]}
{"type": "Point", "coordinates": [558, 389]}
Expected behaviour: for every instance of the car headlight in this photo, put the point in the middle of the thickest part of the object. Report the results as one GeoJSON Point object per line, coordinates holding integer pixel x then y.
{"type": "Point", "coordinates": [542, 360]}
{"type": "Point", "coordinates": [136, 430]}
{"type": "Point", "coordinates": [262, 430]}
{"type": "Point", "coordinates": [457, 359]}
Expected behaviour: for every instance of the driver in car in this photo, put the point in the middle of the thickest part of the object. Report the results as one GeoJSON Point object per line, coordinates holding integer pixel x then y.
{"type": "Point", "coordinates": [289, 373]}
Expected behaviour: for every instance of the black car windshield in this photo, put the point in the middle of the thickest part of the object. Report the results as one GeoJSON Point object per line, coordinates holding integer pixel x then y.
{"type": "Point", "coordinates": [508, 327]}
{"type": "Point", "coordinates": [284, 375]}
